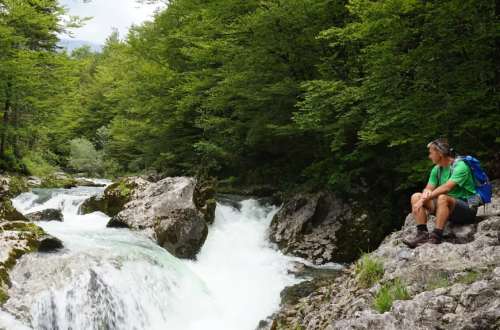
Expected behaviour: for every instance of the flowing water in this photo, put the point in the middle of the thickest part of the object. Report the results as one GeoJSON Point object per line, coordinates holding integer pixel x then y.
{"type": "Point", "coordinates": [109, 278]}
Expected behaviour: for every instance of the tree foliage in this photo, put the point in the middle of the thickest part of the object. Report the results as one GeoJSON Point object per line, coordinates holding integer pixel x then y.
{"type": "Point", "coordinates": [324, 93]}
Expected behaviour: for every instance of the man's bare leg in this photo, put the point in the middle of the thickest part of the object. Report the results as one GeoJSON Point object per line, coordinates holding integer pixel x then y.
{"type": "Point", "coordinates": [445, 205]}
{"type": "Point", "coordinates": [421, 216]}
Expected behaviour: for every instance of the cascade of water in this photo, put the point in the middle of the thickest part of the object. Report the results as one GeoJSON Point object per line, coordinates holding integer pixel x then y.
{"type": "Point", "coordinates": [108, 278]}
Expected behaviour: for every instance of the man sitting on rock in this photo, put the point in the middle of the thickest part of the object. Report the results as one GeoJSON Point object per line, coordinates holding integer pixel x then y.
{"type": "Point", "coordinates": [450, 185]}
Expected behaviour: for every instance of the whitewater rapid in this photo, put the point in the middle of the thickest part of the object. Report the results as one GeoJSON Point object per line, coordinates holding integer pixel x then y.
{"type": "Point", "coordinates": [109, 278]}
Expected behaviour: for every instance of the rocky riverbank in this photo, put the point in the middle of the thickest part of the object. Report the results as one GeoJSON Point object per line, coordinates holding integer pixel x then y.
{"type": "Point", "coordinates": [454, 285]}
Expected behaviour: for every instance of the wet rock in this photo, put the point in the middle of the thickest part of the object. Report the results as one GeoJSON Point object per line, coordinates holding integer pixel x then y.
{"type": "Point", "coordinates": [182, 232]}
{"type": "Point", "coordinates": [320, 228]}
{"type": "Point", "coordinates": [167, 212]}
{"type": "Point", "coordinates": [46, 215]}
{"type": "Point", "coordinates": [48, 243]}
{"type": "Point", "coordinates": [82, 182]}
{"type": "Point", "coordinates": [204, 199]}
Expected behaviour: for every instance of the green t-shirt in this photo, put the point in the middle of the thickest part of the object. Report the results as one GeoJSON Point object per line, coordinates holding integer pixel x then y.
{"type": "Point", "coordinates": [461, 175]}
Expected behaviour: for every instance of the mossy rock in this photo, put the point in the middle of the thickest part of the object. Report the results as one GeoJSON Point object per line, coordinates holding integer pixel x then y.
{"type": "Point", "coordinates": [53, 181]}
{"type": "Point", "coordinates": [30, 238]}
{"type": "Point", "coordinates": [113, 200]}
{"type": "Point", "coordinates": [8, 212]}
{"type": "Point", "coordinates": [204, 199]}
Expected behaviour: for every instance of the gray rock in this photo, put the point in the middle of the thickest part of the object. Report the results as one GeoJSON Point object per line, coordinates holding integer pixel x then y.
{"type": "Point", "coordinates": [88, 183]}
{"type": "Point", "coordinates": [49, 243]}
{"type": "Point", "coordinates": [16, 239]}
{"type": "Point", "coordinates": [34, 181]}
{"type": "Point", "coordinates": [46, 215]}
{"type": "Point", "coordinates": [167, 211]}
{"type": "Point", "coordinates": [321, 228]}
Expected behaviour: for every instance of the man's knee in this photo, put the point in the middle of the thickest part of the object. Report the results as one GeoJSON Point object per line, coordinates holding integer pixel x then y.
{"type": "Point", "coordinates": [415, 197]}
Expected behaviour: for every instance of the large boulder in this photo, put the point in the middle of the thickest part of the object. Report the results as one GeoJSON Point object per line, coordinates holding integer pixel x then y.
{"type": "Point", "coordinates": [16, 239]}
{"type": "Point", "coordinates": [46, 215]}
{"type": "Point", "coordinates": [169, 212]}
{"type": "Point", "coordinates": [321, 228]}
{"type": "Point", "coordinates": [115, 196]}
{"type": "Point", "coordinates": [453, 285]}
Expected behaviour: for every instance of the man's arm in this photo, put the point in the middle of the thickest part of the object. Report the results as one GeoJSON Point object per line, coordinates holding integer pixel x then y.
{"type": "Point", "coordinates": [449, 185]}
{"type": "Point", "coordinates": [428, 189]}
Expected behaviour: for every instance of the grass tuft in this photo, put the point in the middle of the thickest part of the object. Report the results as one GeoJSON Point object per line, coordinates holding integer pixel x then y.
{"type": "Point", "coordinates": [368, 271]}
{"type": "Point", "coordinates": [388, 293]}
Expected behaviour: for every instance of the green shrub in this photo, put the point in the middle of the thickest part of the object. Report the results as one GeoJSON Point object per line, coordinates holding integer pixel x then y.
{"type": "Point", "coordinates": [37, 165]}
{"type": "Point", "coordinates": [388, 293]}
{"type": "Point", "coordinates": [85, 158]}
{"type": "Point", "coordinates": [368, 271]}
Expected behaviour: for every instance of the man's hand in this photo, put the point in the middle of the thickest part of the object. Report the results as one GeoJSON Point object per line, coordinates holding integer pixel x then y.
{"type": "Point", "coordinates": [425, 194]}
{"type": "Point", "coordinates": [419, 204]}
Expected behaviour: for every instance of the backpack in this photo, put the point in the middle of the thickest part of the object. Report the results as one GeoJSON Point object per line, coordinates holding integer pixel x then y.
{"type": "Point", "coordinates": [483, 185]}
{"type": "Point", "coordinates": [481, 180]}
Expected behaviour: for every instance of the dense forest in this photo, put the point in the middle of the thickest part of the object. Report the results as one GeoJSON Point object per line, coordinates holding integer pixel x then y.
{"type": "Point", "coordinates": [319, 94]}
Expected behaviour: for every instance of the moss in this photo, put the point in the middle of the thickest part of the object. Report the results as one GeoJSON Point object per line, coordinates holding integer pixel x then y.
{"type": "Point", "coordinates": [124, 189]}
{"type": "Point", "coordinates": [23, 226]}
{"type": "Point", "coordinates": [3, 296]}
{"type": "Point", "coordinates": [111, 203]}
{"type": "Point", "coordinates": [368, 271]}
{"type": "Point", "coordinates": [388, 293]}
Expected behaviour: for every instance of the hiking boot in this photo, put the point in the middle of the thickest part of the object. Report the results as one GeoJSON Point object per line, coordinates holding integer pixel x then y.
{"type": "Point", "coordinates": [435, 238]}
{"type": "Point", "coordinates": [421, 238]}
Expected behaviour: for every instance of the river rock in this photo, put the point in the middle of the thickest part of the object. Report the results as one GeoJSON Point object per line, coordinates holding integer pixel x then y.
{"type": "Point", "coordinates": [49, 243]}
{"type": "Point", "coordinates": [16, 239]}
{"type": "Point", "coordinates": [46, 215]}
{"type": "Point", "coordinates": [115, 196]}
{"type": "Point", "coordinates": [453, 285]}
{"type": "Point", "coordinates": [168, 212]}
{"type": "Point", "coordinates": [34, 181]}
{"type": "Point", "coordinates": [83, 182]}
{"type": "Point", "coordinates": [320, 228]}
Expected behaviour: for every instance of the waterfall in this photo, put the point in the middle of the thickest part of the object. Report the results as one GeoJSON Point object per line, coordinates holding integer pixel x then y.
{"type": "Point", "coordinates": [110, 278]}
